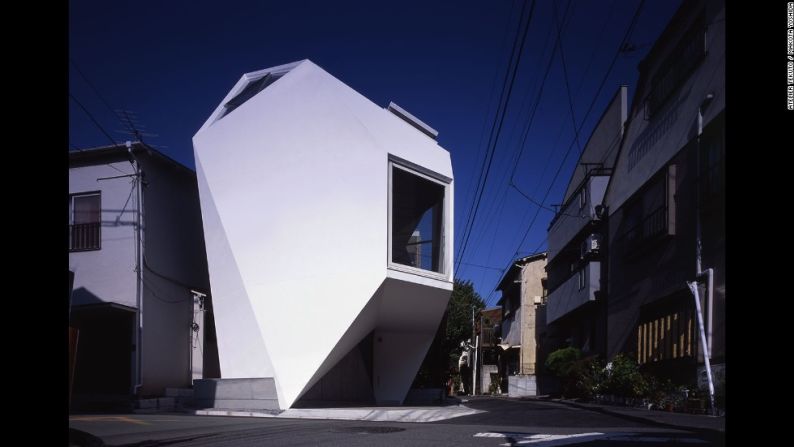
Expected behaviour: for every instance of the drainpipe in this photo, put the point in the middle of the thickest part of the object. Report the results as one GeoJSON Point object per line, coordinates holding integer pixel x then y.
{"type": "Point", "coordinates": [699, 273]}
{"type": "Point", "coordinates": [139, 273]}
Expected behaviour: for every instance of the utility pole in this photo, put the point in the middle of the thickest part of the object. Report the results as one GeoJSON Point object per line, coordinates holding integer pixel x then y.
{"type": "Point", "coordinates": [474, 363]}
{"type": "Point", "coordinates": [138, 270]}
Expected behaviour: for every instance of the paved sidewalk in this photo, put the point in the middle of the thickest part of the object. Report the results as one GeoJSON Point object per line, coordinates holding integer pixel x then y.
{"type": "Point", "coordinates": [390, 414]}
{"type": "Point", "coordinates": [698, 422]}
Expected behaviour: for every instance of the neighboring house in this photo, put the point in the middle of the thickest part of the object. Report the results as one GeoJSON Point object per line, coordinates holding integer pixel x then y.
{"type": "Point", "coordinates": [487, 327]}
{"type": "Point", "coordinates": [523, 294]}
{"type": "Point", "coordinates": [136, 248]}
{"type": "Point", "coordinates": [576, 306]}
{"type": "Point", "coordinates": [314, 202]}
{"type": "Point", "coordinates": [666, 193]}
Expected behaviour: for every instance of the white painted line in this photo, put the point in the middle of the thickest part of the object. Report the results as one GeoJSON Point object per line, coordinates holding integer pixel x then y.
{"type": "Point", "coordinates": [554, 440]}
{"type": "Point", "coordinates": [549, 440]}
{"type": "Point", "coordinates": [656, 439]}
{"type": "Point", "coordinates": [500, 435]}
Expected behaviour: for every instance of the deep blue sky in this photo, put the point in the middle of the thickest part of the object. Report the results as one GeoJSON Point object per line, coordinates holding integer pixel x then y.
{"type": "Point", "coordinates": [172, 62]}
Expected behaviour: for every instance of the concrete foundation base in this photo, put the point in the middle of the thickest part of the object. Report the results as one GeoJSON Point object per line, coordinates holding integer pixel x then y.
{"type": "Point", "coordinates": [236, 394]}
{"type": "Point", "coordinates": [523, 385]}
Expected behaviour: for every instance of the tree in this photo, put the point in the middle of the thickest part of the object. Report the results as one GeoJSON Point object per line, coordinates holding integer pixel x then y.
{"type": "Point", "coordinates": [455, 327]}
{"type": "Point", "coordinates": [458, 317]}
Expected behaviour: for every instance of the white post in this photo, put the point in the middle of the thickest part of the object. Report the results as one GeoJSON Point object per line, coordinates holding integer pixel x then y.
{"type": "Point", "coordinates": [474, 374]}
{"type": "Point", "coordinates": [693, 286]}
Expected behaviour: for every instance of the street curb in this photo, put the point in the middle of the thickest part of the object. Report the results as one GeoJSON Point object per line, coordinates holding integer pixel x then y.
{"type": "Point", "coordinates": [420, 415]}
{"type": "Point", "coordinates": [84, 439]}
{"type": "Point", "coordinates": [640, 419]}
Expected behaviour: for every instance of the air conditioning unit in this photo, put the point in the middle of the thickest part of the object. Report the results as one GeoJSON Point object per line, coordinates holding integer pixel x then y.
{"type": "Point", "coordinates": [592, 243]}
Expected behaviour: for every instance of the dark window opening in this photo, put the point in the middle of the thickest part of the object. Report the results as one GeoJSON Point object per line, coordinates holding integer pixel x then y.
{"type": "Point", "coordinates": [250, 91]}
{"type": "Point", "coordinates": [651, 215]}
{"type": "Point", "coordinates": [677, 66]}
{"type": "Point", "coordinates": [84, 222]}
{"type": "Point", "coordinates": [417, 221]}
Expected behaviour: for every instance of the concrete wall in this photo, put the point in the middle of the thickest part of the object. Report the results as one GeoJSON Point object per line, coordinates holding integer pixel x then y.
{"type": "Point", "coordinates": [485, 377]}
{"type": "Point", "coordinates": [174, 256]}
{"type": "Point", "coordinates": [531, 287]}
{"type": "Point", "coordinates": [675, 124]}
{"type": "Point", "coordinates": [574, 218]}
{"type": "Point", "coordinates": [569, 297]}
{"type": "Point", "coordinates": [294, 191]}
{"type": "Point", "coordinates": [522, 385]}
{"type": "Point", "coordinates": [107, 275]}
{"type": "Point", "coordinates": [657, 272]}
{"type": "Point", "coordinates": [175, 263]}
{"type": "Point", "coordinates": [602, 146]}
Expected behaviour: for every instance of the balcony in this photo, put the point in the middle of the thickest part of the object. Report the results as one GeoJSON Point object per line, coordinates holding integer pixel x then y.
{"type": "Point", "coordinates": [578, 290]}
{"type": "Point", "coordinates": [576, 214]}
{"type": "Point", "coordinates": [488, 338]}
{"type": "Point", "coordinates": [83, 237]}
{"type": "Point", "coordinates": [651, 227]}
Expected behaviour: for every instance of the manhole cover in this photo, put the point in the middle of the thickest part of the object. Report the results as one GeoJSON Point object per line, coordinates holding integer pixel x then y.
{"type": "Point", "coordinates": [367, 430]}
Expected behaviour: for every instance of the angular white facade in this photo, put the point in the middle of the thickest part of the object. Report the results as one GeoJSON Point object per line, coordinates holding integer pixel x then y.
{"type": "Point", "coordinates": [328, 221]}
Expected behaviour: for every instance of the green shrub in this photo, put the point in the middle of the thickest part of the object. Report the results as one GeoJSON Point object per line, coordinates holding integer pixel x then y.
{"type": "Point", "coordinates": [622, 377]}
{"type": "Point", "coordinates": [588, 375]}
{"type": "Point", "coordinates": [561, 361]}
{"type": "Point", "coordinates": [563, 364]}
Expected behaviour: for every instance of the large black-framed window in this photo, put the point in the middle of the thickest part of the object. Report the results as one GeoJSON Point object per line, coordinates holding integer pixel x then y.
{"type": "Point", "coordinates": [417, 219]}
{"type": "Point", "coordinates": [85, 221]}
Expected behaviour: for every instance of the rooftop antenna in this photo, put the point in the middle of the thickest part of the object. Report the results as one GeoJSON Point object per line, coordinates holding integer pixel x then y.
{"type": "Point", "coordinates": [133, 127]}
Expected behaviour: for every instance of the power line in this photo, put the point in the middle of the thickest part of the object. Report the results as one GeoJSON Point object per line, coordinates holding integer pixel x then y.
{"type": "Point", "coordinates": [491, 95]}
{"type": "Point", "coordinates": [96, 123]}
{"type": "Point", "coordinates": [589, 109]}
{"type": "Point", "coordinates": [100, 128]}
{"type": "Point", "coordinates": [159, 298]}
{"type": "Point", "coordinates": [502, 193]}
{"type": "Point", "coordinates": [565, 73]}
{"type": "Point", "coordinates": [626, 35]}
{"type": "Point", "coordinates": [489, 149]}
{"type": "Point", "coordinates": [481, 266]}
{"type": "Point", "coordinates": [522, 145]}
{"type": "Point", "coordinates": [90, 84]}
{"type": "Point", "coordinates": [537, 103]}
{"type": "Point", "coordinates": [127, 121]}
{"type": "Point", "coordinates": [476, 204]}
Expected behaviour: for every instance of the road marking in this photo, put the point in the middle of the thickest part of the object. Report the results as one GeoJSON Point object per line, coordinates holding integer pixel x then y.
{"type": "Point", "coordinates": [656, 439]}
{"type": "Point", "coordinates": [500, 435]}
{"type": "Point", "coordinates": [549, 440]}
{"type": "Point", "coordinates": [108, 418]}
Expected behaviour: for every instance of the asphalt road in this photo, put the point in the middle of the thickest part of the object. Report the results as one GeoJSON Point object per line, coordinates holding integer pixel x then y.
{"type": "Point", "coordinates": [505, 423]}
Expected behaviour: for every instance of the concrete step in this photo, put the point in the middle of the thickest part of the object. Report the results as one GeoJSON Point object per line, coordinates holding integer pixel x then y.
{"type": "Point", "coordinates": [242, 394]}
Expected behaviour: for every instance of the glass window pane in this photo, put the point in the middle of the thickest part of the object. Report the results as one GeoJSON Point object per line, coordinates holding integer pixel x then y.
{"type": "Point", "coordinates": [417, 220]}
{"type": "Point", "coordinates": [86, 209]}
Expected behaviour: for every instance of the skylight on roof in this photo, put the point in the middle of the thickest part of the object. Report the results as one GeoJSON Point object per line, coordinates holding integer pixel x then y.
{"type": "Point", "coordinates": [250, 91]}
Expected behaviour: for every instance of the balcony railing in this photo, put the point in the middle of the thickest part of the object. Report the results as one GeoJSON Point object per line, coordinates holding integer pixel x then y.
{"type": "Point", "coordinates": [84, 237]}
{"type": "Point", "coordinates": [487, 337]}
{"type": "Point", "coordinates": [652, 225]}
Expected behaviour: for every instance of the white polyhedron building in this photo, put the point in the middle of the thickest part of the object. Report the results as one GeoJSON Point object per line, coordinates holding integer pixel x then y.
{"type": "Point", "coordinates": [328, 225]}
